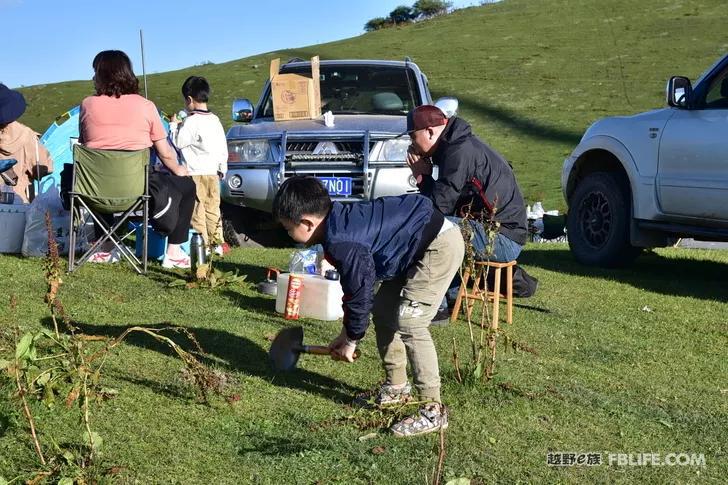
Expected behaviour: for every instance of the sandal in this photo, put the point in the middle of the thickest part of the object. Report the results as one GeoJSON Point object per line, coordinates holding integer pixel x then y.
{"type": "Point", "coordinates": [429, 418]}
{"type": "Point", "coordinates": [384, 395]}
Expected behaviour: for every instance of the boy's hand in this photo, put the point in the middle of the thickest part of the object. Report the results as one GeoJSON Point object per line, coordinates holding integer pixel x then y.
{"type": "Point", "coordinates": [344, 352]}
{"type": "Point", "coordinates": [342, 348]}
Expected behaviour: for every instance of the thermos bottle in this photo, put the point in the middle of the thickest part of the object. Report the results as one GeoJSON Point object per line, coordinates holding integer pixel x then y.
{"type": "Point", "coordinates": [197, 251]}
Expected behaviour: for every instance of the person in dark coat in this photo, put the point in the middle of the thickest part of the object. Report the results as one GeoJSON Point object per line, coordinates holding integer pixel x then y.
{"type": "Point", "coordinates": [473, 179]}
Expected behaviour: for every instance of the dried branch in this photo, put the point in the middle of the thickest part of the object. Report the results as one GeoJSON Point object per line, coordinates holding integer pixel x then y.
{"type": "Point", "coordinates": [26, 409]}
{"type": "Point", "coordinates": [456, 362]}
{"type": "Point", "coordinates": [86, 419]}
{"type": "Point", "coordinates": [440, 457]}
{"type": "Point", "coordinates": [204, 378]}
{"type": "Point", "coordinates": [53, 271]}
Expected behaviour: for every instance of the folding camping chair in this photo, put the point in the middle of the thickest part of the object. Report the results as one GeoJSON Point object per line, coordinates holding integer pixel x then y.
{"type": "Point", "coordinates": [109, 182]}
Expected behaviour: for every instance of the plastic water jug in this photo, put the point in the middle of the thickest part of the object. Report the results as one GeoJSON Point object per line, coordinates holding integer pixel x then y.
{"type": "Point", "coordinates": [320, 297]}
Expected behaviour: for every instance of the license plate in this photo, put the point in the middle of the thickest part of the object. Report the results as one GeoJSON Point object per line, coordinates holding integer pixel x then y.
{"type": "Point", "coordinates": [337, 185]}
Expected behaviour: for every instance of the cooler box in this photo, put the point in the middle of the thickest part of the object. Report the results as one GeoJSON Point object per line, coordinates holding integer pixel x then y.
{"type": "Point", "coordinates": [12, 227]}
{"type": "Point", "coordinates": [156, 243]}
{"type": "Point", "coordinates": [320, 298]}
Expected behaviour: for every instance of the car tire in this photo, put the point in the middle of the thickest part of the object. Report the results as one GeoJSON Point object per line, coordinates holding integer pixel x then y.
{"type": "Point", "coordinates": [233, 234]}
{"type": "Point", "coordinates": [598, 222]}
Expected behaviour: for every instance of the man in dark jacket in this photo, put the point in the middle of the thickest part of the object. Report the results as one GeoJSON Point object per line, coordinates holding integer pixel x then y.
{"type": "Point", "coordinates": [473, 178]}
{"type": "Point", "coordinates": [403, 242]}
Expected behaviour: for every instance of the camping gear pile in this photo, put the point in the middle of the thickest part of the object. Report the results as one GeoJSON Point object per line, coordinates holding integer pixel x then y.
{"type": "Point", "coordinates": [545, 226]}
{"type": "Point", "coordinates": [22, 226]}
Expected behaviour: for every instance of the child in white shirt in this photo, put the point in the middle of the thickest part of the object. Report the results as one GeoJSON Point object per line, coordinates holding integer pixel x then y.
{"type": "Point", "coordinates": [200, 138]}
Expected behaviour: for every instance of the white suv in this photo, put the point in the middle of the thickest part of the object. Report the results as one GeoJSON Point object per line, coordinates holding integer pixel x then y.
{"type": "Point", "coordinates": [645, 180]}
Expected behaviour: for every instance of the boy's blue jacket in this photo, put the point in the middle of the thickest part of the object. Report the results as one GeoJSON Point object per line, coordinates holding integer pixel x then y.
{"type": "Point", "coordinates": [377, 240]}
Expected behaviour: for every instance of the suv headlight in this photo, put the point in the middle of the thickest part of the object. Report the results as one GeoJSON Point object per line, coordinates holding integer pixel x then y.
{"type": "Point", "coordinates": [249, 151]}
{"type": "Point", "coordinates": [395, 150]}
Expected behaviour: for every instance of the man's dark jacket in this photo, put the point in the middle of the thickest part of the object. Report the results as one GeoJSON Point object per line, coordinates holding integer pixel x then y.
{"type": "Point", "coordinates": [461, 157]}
{"type": "Point", "coordinates": [376, 241]}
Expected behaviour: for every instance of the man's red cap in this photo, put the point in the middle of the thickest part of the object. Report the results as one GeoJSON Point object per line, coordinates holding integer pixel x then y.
{"type": "Point", "coordinates": [425, 116]}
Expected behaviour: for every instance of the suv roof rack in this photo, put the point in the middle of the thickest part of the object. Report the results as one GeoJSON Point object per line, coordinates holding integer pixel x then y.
{"type": "Point", "coordinates": [294, 59]}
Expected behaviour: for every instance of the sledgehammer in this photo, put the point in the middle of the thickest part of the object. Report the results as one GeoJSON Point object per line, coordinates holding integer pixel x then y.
{"type": "Point", "coordinates": [288, 345]}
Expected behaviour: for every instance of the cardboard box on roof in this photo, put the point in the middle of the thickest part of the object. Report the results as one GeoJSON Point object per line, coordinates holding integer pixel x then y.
{"type": "Point", "coordinates": [295, 97]}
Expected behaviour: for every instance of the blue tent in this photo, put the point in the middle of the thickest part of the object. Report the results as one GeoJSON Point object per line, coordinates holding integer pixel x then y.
{"type": "Point", "coordinates": [57, 139]}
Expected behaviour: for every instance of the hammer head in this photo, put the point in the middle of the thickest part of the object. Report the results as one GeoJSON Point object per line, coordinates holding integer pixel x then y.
{"type": "Point", "coordinates": [286, 348]}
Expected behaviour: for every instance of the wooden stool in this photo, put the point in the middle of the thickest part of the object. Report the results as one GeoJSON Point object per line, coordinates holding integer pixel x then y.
{"type": "Point", "coordinates": [475, 293]}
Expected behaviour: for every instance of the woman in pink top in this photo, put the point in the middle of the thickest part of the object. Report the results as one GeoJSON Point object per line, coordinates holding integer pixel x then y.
{"type": "Point", "coordinates": [117, 118]}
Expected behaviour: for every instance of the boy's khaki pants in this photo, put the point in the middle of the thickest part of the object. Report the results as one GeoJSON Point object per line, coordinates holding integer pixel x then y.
{"type": "Point", "coordinates": [403, 309]}
{"type": "Point", "coordinates": [206, 216]}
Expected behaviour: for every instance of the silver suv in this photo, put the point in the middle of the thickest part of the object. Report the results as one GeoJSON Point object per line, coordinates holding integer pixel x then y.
{"type": "Point", "coordinates": [645, 180]}
{"type": "Point", "coordinates": [360, 157]}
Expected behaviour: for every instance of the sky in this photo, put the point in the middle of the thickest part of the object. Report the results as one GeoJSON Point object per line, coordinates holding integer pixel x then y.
{"type": "Point", "coordinates": [48, 41]}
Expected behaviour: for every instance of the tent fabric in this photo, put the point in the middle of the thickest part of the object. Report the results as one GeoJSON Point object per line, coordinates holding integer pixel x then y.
{"type": "Point", "coordinates": [58, 139]}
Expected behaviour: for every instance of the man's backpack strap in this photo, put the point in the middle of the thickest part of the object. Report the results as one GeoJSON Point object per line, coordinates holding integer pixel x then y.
{"type": "Point", "coordinates": [481, 192]}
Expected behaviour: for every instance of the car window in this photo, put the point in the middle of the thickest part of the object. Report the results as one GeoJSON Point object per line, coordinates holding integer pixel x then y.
{"type": "Point", "coordinates": [716, 96]}
{"type": "Point", "coordinates": [358, 89]}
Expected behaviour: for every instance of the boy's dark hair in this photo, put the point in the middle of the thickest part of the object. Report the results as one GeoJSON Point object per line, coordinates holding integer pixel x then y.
{"type": "Point", "coordinates": [113, 74]}
{"type": "Point", "coordinates": [197, 88]}
{"type": "Point", "coordinates": [299, 196]}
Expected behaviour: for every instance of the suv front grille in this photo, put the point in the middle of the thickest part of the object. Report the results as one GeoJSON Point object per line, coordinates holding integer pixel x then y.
{"type": "Point", "coordinates": [301, 146]}
{"type": "Point", "coordinates": [332, 151]}
{"type": "Point", "coordinates": [329, 158]}
{"type": "Point", "coordinates": [310, 157]}
{"type": "Point", "coordinates": [310, 146]}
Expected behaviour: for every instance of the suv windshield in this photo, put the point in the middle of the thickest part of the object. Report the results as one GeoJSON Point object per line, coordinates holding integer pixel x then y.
{"type": "Point", "coordinates": [360, 89]}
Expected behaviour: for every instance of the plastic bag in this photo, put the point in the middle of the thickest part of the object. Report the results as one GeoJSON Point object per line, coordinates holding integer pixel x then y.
{"type": "Point", "coordinates": [35, 239]}
{"type": "Point", "coordinates": [306, 261]}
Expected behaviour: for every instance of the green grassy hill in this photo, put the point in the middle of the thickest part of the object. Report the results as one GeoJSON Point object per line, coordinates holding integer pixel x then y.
{"type": "Point", "coordinates": [530, 75]}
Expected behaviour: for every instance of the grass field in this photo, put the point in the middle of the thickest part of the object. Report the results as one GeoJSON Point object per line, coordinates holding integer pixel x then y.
{"type": "Point", "coordinates": [628, 361]}
{"type": "Point", "coordinates": [530, 75]}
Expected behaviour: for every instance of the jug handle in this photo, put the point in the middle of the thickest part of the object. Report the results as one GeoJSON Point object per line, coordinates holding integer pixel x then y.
{"type": "Point", "coordinates": [273, 271]}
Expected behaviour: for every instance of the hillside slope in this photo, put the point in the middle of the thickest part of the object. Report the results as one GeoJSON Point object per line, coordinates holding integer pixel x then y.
{"type": "Point", "coordinates": [530, 75]}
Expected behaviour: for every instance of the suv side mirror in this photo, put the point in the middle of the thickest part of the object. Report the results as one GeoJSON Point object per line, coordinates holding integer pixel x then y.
{"type": "Point", "coordinates": [678, 92]}
{"type": "Point", "coordinates": [243, 110]}
{"type": "Point", "coordinates": [448, 105]}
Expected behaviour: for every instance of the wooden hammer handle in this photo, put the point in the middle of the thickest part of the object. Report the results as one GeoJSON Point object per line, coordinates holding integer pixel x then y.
{"type": "Point", "coordinates": [316, 349]}
{"type": "Point", "coordinates": [322, 350]}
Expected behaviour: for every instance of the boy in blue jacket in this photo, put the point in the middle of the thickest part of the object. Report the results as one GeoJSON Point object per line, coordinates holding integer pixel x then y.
{"type": "Point", "coordinates": [406, 244]}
